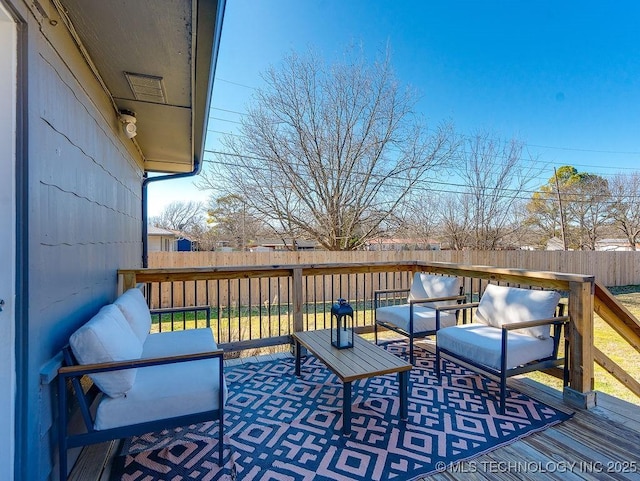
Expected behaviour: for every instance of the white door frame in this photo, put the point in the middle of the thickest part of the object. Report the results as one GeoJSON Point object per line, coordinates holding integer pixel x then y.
{"type": "Point", "coordinates": [8, 102]}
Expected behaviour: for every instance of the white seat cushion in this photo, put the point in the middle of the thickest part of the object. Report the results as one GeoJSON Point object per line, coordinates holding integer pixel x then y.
{"type": "Point", "coordinates": [162, 392]}
{"type": "Point", "coordinates": [425, 286]}
{"type": "Point", "coordinates": [424, 318]}
{"type": "Point", "coordinates": [136, 312]}
{"type": "Point", "coordinates": [171, 389]}
{"type": "Point", "coordinates": [107, 337]}
{"type": "Point", "coordinates": [483, 344]}
{"type": "Point", "coordinates": [175, 343]}
{"type": "Point", "coordinates": [505, 305]}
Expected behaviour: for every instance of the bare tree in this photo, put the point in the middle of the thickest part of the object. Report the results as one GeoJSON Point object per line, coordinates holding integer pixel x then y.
{"type": "Point", "coordinates": [625, 213]}
{"type": "Point", "coordinates": [206, 237]}
{"type": "Point", "coordinates": [454, 220]}
{"type": "Point", "coordinates": [328, 152]}
{"type": "Point", "coordinates": [180, 216]}
{"type": "Point", "coordinates": [231, 222]}
{"type": "Point", "coordinates": [494, 174]}
{"type": "Point", "coordinates": [522, 234]}
{"type": "Point", "coordinates": [417, 217]}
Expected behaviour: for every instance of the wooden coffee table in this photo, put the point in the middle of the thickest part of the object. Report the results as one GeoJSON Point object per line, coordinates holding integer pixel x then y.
{"type": "Point", "coordinates": [363, 360]}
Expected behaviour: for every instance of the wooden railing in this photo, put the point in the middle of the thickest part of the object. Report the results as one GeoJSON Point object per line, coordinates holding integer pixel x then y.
{"type": "Point", "coordinates": [272, 301]}
{"type": "Point", "coordinates": [310, 288]}
{"type": "Point", "coordinates": [626, 325]}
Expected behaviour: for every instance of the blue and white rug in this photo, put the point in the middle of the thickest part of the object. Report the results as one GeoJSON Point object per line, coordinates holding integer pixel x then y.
{"type": "Point", "coordinates": [280, 427]}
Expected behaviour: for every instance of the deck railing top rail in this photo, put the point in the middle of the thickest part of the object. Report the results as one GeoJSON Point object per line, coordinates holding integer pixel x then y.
{"type": "Point", "coordinates": [530, 277]}
{"type": "Point", "coordinates": [558, 280]}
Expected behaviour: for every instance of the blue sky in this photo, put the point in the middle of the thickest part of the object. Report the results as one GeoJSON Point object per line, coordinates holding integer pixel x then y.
{"type": "Point", "coordinates": [563, 77]}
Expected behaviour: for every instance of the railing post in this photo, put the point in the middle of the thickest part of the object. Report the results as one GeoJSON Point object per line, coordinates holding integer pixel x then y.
{"type": "Point", "coordinates": [127, 280]}
{"type": "Point", "coordinates": [580, 392]}
{"type": "Point", "coordinates": [297, 300]}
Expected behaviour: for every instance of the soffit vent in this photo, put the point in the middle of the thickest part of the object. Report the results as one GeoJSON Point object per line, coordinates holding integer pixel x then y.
{"type": "Point", "coordinates": [147, 88]}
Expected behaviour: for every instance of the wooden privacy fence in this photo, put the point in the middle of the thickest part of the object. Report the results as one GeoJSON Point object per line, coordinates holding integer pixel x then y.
{"type": "Point", "coordinates": [610, 268]}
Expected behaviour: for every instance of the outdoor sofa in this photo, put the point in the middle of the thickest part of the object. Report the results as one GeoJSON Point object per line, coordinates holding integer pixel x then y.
{"type": "Point", "coordinates": [141, 382]}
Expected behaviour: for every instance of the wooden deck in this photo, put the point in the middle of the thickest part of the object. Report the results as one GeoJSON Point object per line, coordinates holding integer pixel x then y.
{"type": "Point", "coordinates": [597, 444]}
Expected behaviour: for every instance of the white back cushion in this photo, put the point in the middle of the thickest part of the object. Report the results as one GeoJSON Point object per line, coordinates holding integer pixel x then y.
{"type": "Point", "coordinates": [136, 312]}
{"type": "Point", "coordinates": [505, 305]}
{"type": "Point", "coordinates": [425, 286]}
{"type": "Point", "coordinates": [107, 337]}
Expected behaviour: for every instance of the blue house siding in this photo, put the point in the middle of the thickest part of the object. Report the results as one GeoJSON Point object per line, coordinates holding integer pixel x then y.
{"type": "Point", "coordinates": [84, 222]}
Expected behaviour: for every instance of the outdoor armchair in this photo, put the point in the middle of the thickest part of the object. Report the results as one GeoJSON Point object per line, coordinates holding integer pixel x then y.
{"type": "Point", "coordinates": [141, 382]}
{"type": "Point", "coordinates": [430, 304]}
{"type": "Point", "coordinates": [515, 331]}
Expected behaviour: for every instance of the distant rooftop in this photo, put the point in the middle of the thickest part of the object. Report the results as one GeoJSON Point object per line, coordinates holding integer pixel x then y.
{"type": "Point", "coordinates": [152, 230]}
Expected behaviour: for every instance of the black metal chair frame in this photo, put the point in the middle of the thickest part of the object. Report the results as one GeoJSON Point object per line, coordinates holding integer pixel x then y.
{"type": "Point", "coordinates": [161, 311]}
{"type": "Point", "coordinates": [71, 370]}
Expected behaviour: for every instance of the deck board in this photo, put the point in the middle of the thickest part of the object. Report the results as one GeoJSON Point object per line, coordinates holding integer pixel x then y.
{"type": "Point", "coordinates": [564, 451]}
{"type": "Point", "coordinates": [93, 461]}
{"type": "Point", "coordinates": [523, 450]}
{"type": "Point", "coordinates": [618, 410]}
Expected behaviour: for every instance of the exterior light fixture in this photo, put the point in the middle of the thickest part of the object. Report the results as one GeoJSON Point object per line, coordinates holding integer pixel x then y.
{"type": "Point", "coordinates": [128, 120]}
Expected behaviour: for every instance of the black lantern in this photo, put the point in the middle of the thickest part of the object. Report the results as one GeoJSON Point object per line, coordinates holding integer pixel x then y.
{"type": "Point", "coordinates": [341, 324]}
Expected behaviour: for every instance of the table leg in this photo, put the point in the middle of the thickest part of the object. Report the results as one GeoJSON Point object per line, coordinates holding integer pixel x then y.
{"type": "Point", "coordinates": [346, 408]}
{"type": "Point", "coordinates": [298, 356]}
{"type": "Point", "coordinates": [403, 381]}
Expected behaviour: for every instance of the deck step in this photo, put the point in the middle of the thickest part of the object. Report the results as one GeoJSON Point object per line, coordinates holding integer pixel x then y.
{"type": "Point", "coordinates": [94, 462]}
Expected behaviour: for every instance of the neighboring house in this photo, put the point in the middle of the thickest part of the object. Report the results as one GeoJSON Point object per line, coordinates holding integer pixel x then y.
{"type": "Point", "coordinates": [161, 240]}
{"type": "Point", "coordinates": [73, 183]}
{"type": "Point", "coordinates": [397, 244]}
{"type": "Point", "coordinates": [555, 244]}
{"type": "Point", "coordinates": [614, 245]}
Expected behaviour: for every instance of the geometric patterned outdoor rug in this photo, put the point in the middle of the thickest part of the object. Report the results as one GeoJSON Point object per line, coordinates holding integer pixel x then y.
{"type": "Point", "coordinates": [280, 427]}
